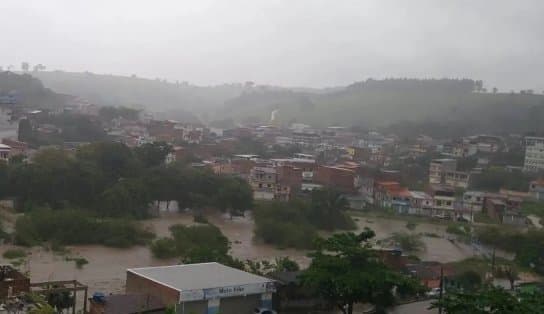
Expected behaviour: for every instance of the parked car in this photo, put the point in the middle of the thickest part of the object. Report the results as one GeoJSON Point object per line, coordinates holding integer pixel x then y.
{"type": "Point", "coordinates": [435, 292]}
{"type": "Point", "coordinates": [261, 310]}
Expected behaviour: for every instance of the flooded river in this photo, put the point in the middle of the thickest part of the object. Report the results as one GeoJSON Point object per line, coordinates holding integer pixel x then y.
{"type": "Point", "coordinates": [107, 266]}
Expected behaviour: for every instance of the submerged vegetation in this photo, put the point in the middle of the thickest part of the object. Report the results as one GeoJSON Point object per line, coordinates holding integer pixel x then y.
{"type": "Point", "coordinates": [68, 227]}
{"type": "Point", "coordinates": [295, 223]}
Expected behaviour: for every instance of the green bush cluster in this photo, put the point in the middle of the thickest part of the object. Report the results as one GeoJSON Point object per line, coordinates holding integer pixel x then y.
{"type": "Point", "coordinates": [295, 223]}
{"type": "Point", "coordinates": [284, 225]}
{"type": "Point", "coordinates": [68, 227]}
{"type": "Point", "coordinates": [195, 244]}
{"type": "Point", "coordinates": [14, 254]}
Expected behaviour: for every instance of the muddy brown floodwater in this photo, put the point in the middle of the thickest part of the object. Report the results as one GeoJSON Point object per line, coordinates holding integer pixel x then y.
{"type": "Point", "coordinates": [437, 248]}
{"type": "Point", "coordinates": [107, 266]}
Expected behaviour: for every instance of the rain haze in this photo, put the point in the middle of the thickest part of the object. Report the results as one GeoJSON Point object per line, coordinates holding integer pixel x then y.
{"type": "Point", "coordinates": [288, 43]}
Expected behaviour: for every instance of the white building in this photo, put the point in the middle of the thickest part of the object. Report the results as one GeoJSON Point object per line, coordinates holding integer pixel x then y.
{"type": "Point", "coordinates": [4, 152]}
{"type": "Point", "coordinates": [534, 154]}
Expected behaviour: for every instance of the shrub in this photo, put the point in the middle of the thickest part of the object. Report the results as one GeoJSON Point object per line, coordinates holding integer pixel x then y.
{"type": "Point", "coordinates": [411, 225]}
{"type": "Point", "coordinates": [66, 227]}
{"type": "Point", "coordinates": [164, 248]}
{"type": "Point", "coordinates": [14, 254]}
{"type": "Point", "coordinates": [188, 239]}
{"type": "Point", "coordinates": [284, 225]}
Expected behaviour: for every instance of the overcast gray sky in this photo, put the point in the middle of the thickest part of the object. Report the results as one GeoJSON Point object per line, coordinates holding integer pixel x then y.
{"type": "Point", "coordinates": [282, 42]}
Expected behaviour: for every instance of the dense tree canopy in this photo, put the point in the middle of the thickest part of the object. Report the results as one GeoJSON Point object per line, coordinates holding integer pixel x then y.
{"type": "Point", "coordinates": [69, 226]}
{"type": "Point", "coordinates": [113, 180]}
{"type": "Point", "coordinates": [195, 244]}
{"type": "Point", "coordinates": [345, 270]}
{"type": "Point", "coordinates": [295, 223]}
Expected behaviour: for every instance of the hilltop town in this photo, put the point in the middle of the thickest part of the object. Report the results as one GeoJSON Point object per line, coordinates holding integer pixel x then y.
{"type": "Point", "coordinates": [98, 200]}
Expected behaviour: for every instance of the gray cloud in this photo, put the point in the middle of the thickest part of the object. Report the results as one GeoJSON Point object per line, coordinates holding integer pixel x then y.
{"type": "Point", "coordinates": [282, 42]}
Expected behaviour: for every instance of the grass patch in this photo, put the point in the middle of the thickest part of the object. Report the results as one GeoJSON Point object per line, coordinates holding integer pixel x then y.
{"type": "Point", "coordinates": [14, 254]}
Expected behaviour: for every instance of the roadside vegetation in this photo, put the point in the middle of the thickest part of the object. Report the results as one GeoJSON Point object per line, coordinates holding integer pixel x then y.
{"type": "Point", "coordinates": [344, 271]}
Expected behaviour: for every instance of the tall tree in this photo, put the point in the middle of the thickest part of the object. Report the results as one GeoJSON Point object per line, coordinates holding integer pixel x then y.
{"type": "Point", "coordinates": [345, 270]}
{"type": "Point", "coordinates": [234, 196]}
{"type": "Point", "coordinates": [152, 154]}
{"type": "Point", "coordinates": [25, 132]}
{"type": "Point", "coordinates": [328, 210]}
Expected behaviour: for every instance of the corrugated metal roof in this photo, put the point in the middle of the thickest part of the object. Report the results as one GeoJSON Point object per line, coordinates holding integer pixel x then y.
{"type": "Point", "coordinates": [199, 276]}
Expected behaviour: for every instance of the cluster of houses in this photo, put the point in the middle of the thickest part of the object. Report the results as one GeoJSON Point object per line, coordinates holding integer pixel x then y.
{"type": "Point", "coordinates": [350, 161]}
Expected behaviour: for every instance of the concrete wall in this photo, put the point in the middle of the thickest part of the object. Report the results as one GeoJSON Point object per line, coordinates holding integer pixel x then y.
{"type": "Point", "coordinates": [140, 285]}
{"type": "Point", "coordinates": [195, 307]}
{"type": "Point", "coordinates": [233, 305]}
{"type": "Point", "coordinates": [240, 305]}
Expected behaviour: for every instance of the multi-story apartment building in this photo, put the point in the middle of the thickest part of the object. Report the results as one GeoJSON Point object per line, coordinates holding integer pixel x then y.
{"type": "Point", "coordinates": [473, 201]}
{"type": "Point", "coordinates": [444, 171]}
{"type": "Point", "coordinates": [272, 181]}
{"type": "Point", "coordinates": [421, 203]}
{"type": "Point", "coordinates": [438, 167]}
{"type": "Point", "coordinates": [263, 181]}
{"type": "Point", "coordinates": [443, 200]}
{"type": "Point", "coordinates": [534, 154]}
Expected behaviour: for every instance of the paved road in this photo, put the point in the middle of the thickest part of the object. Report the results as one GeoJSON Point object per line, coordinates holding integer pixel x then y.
{"type": "Point", "coordinates": [414, 308]}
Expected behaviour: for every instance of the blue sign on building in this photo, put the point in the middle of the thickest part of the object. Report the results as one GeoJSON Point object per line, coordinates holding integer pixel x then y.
{"type": "Point", "coordinates": [8, 100]}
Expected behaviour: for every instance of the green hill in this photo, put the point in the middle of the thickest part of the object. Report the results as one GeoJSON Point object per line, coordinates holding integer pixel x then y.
{"type": "Point", "coordinates": [28, 91]}
{"type": "Point", "coordinates": [425, 104]}
{"type": "Point", "coordinates": [436, 105]}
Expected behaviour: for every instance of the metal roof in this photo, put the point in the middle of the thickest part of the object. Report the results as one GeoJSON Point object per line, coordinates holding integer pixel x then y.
{"type": "Point", "coordinates": [199, 276]}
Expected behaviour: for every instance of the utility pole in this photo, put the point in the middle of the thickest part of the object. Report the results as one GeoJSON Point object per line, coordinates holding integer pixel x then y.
{"type": "Point", "coordinates": [493, 265]}
{"type": "Point", "coordinates": [441, 290]}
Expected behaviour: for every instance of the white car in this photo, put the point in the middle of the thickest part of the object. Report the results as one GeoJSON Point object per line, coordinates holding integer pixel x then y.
{"type": "Point", "coordinates": [435, 292]}
{"type": "Point", "coordinates": [261, 310]}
